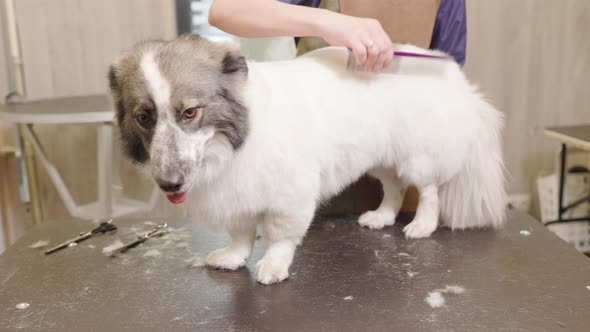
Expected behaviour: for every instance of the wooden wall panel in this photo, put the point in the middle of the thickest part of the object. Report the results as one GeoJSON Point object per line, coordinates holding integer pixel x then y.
{"type": "Point", "coordinates": [3, 69]}
{"type": "Point", "coordinates": [531, 58]}
{"type": "Point", "coordinates": [67, 46]}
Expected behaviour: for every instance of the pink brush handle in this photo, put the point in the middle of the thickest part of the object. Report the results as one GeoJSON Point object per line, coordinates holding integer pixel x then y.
{"type": "Point", "coordinates": [415, 55]}
{"type": "Point", "coordinates": [418, 55]}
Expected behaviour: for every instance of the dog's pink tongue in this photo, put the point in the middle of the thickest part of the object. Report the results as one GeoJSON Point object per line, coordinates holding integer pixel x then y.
{"type": "Point", "coordinates": [177, 198]}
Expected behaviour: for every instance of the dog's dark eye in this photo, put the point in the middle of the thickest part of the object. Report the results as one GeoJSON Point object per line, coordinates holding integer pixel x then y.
{"type": "Point", "coordinates": [190, 113]}
{"type": "Point", "coordinates": [143, 119]}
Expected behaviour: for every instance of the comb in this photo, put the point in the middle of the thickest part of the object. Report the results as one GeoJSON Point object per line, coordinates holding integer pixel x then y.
{"type": "Point", "coordinates": [415, 60]}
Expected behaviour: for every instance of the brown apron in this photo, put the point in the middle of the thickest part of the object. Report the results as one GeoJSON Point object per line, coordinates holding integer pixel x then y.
{"type": "Point", "coordinates": [405, 21]}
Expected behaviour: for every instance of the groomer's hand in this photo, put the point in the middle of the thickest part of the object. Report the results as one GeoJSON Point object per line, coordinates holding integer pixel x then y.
{"type": "Point", "coordinates": [365, 36]}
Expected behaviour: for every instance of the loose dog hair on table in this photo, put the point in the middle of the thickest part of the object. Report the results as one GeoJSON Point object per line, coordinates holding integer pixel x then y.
{"type": "Point", "coordinates": [250, 143]}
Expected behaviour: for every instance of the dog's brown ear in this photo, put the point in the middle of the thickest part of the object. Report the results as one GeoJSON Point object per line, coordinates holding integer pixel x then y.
{"type": "Point", "coordinates": [130, 142]}
{"type": "Point", "coordinates": [115, 86]}
{"type": "Point", "coordinates": [234, 62]}
{"type": "Point", "coordinates": [113, 80]}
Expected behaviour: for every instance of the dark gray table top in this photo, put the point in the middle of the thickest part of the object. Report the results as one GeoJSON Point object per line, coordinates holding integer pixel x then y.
{"type": "Point", "coordinates": [344, 278]}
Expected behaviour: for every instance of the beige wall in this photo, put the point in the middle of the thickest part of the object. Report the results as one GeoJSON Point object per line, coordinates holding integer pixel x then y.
{"type": "Point", "coordinates": [67, 46]}
{"type": "Point", "coordinates": [3, 74]}
{"type": "Point", "coordinates": [531, 57]}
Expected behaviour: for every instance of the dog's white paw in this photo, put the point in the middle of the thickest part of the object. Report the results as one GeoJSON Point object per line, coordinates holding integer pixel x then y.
{"type": "Point", "coordinates": [420, 228]}
{"type": "Point", "coordinates": [376, 220]}
{"type": "Point", "coordinates": [226, 259]}
{"type": "Point", "coordinates": [270, 271]}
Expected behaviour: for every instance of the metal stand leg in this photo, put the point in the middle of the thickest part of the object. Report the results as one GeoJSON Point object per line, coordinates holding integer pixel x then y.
{"type": "Point", "coordinates": [4, 202]}
{"type": "Point", "coordinates": [23, 187]}
{"type": "Point", "coordinates": [33, 183]}
{"type": "Point", "coordinates": [58, 182]}
{"type": "Point", "coordinates": [104, 207]}
{"type": "Point", "coordinates": [28, 174]}
{"type": "Point", "coordinates": [105, 171]}
{"type": "Point", "coordinates": [561, 182]}
{"type": "Point", "coordinates": [562, 209]}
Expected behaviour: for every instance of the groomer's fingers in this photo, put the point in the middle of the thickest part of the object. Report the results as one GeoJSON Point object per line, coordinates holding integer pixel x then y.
{"type": "Point", "coordinates": [386, 51]}
{"type": "Point", "coordinates": [382, 49]}
{"type": "Point", "coordinates": [380, 63]}
{"type": "Point", "coordinates": [360, 52]}
{"type": "Point", "coordinates": [384, 44]}
{"type": "Point", "coordinates": [385, 57]}
{"type": "Point", "coordinates": [388, 57]}
{"type": "Point", "coordinates": [372, 55]}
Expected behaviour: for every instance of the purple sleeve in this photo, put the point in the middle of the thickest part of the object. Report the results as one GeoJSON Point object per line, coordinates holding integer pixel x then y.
{"type": "Point", "coordinates": [309, 3]}
{"type": "Point", "coordinates": [450, 29]}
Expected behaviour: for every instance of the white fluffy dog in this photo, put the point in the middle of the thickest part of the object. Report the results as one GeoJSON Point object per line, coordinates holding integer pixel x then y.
{"type": "Point", "coordinates": [265, 143]}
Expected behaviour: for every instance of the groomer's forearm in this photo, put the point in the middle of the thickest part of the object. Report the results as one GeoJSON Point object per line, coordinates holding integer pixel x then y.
{"type": "Point", "coordinates": [266, 18]}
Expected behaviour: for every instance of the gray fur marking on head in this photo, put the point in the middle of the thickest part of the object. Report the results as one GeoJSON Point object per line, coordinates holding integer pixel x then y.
{"type": "Point", "coordinates": [212, 73]}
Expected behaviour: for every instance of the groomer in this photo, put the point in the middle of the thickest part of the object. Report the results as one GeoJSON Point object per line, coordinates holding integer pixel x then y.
{"type": "Point", "coordinates": [370, 42]}
{"type": "Point", "coordinates": [368, 27]}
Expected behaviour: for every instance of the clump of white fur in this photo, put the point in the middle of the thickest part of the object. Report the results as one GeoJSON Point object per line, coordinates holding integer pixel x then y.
{"type": "Point", "coordinates": [111, 247]}
{"type": "Point", "coordinates": [39, 244]}
{"type": "Point", "coordinates": [436, 299]}
{"type": "Point", "coordinates": [152, 253]}
{"type": "Point", "coordinates": [454, 289]}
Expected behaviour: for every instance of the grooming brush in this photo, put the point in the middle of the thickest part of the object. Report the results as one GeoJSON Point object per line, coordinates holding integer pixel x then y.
{"type": "Point", "coordinates": [159, 230]}
{"type": "Point", "coordinates": [104, 227]}
{"type": "Point", "coordinates": [407, 63]}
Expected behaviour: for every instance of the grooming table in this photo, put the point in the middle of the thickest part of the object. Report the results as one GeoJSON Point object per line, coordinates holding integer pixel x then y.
{"type": "Point", "coordinates": [93, 109]}
{"type": "Point", "coordinates": [574, 136]}
{"type": "Point", "coordinates": [344, 278]}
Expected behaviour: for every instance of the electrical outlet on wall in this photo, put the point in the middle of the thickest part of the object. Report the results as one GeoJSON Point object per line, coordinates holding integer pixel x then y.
{"type": "Point", "coordinates": [520, 202]}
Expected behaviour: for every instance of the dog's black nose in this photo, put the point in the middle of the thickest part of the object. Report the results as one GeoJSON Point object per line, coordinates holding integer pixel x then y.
{"type": "Point", "coordinates": [169, 187]}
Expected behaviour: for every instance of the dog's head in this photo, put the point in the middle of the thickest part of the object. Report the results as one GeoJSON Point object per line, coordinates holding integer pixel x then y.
{"type": "Point", "coordinates": [179, 109]}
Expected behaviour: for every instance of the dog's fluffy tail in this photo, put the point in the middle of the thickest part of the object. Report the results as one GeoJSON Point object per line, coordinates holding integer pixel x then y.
{"type": "Point", "coordinates": [476, 196]}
